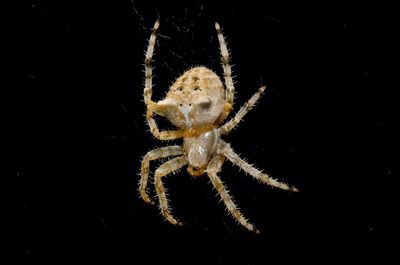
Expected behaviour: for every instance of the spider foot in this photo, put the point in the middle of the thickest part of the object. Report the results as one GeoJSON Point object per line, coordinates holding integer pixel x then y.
{"type": "Point", "coordinates": [147, 199]}
{"type": "Point", "coordinates": [172, 220]}
{"type": "Point", "coordinates": [294, 189]}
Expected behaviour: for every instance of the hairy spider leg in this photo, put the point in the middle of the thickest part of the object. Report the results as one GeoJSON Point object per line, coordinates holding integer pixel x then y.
{"type": "Point", "coordinates": [168, 167]}
{"type": "Point", "coordinates": [145, 168]}
{"type": "Point", "coordinates": [227, 127]}
{"type": "Point", "coordinates": [148, 90]}
{"type": "Point", "coordinates": [228, 152]}
{"type": "Point", "coordinates": [225, 61]}
{"type": "Point", "coordinates": [213, 168]}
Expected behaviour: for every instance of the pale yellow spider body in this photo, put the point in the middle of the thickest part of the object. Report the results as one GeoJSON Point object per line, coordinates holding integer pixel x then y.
{"type": "Point", "coordinates": [197, 98]}
{"type": "Point", "coordinates": [197, 104]}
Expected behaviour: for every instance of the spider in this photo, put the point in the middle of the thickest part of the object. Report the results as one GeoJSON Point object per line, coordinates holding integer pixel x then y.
{"type": "Point", "coordinates": [197, 103]}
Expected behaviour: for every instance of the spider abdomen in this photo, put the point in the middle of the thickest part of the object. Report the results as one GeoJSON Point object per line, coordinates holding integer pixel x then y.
{"type": "Point", "coordinates": [199, 149]}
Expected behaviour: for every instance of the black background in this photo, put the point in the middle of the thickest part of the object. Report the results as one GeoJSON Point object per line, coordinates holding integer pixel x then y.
{"type": "Point", "coordinates": [325, 125]}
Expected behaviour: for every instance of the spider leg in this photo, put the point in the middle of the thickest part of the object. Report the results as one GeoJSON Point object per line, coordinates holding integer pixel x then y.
{"type": "Point", "coordinates": [145, 168]}
{"type": "Point", "coordinates": [213, 168]}
{"type": "Point", "coordinates": [227, 127]}
{"type": "Point", "coordinates": [228, 152]}
{"type": "Point", "coordinates": [148, 65]}
{"type": "Point", "coordinates": [225, 60]}
{"type": "Point", "coordinates": [165, 169]}
{"type": "Point", "coordinates": [148, 91]}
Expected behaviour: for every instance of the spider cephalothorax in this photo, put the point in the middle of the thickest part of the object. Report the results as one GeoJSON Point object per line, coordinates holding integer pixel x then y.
{"type": "Point", "coordinates": [197, 103]}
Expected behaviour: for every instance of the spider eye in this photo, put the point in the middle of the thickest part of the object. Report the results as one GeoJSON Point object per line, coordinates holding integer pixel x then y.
{"type": "Point", "coordinates": [180, 88]}
{"type": "Point", "coordinates": [196, 88]}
